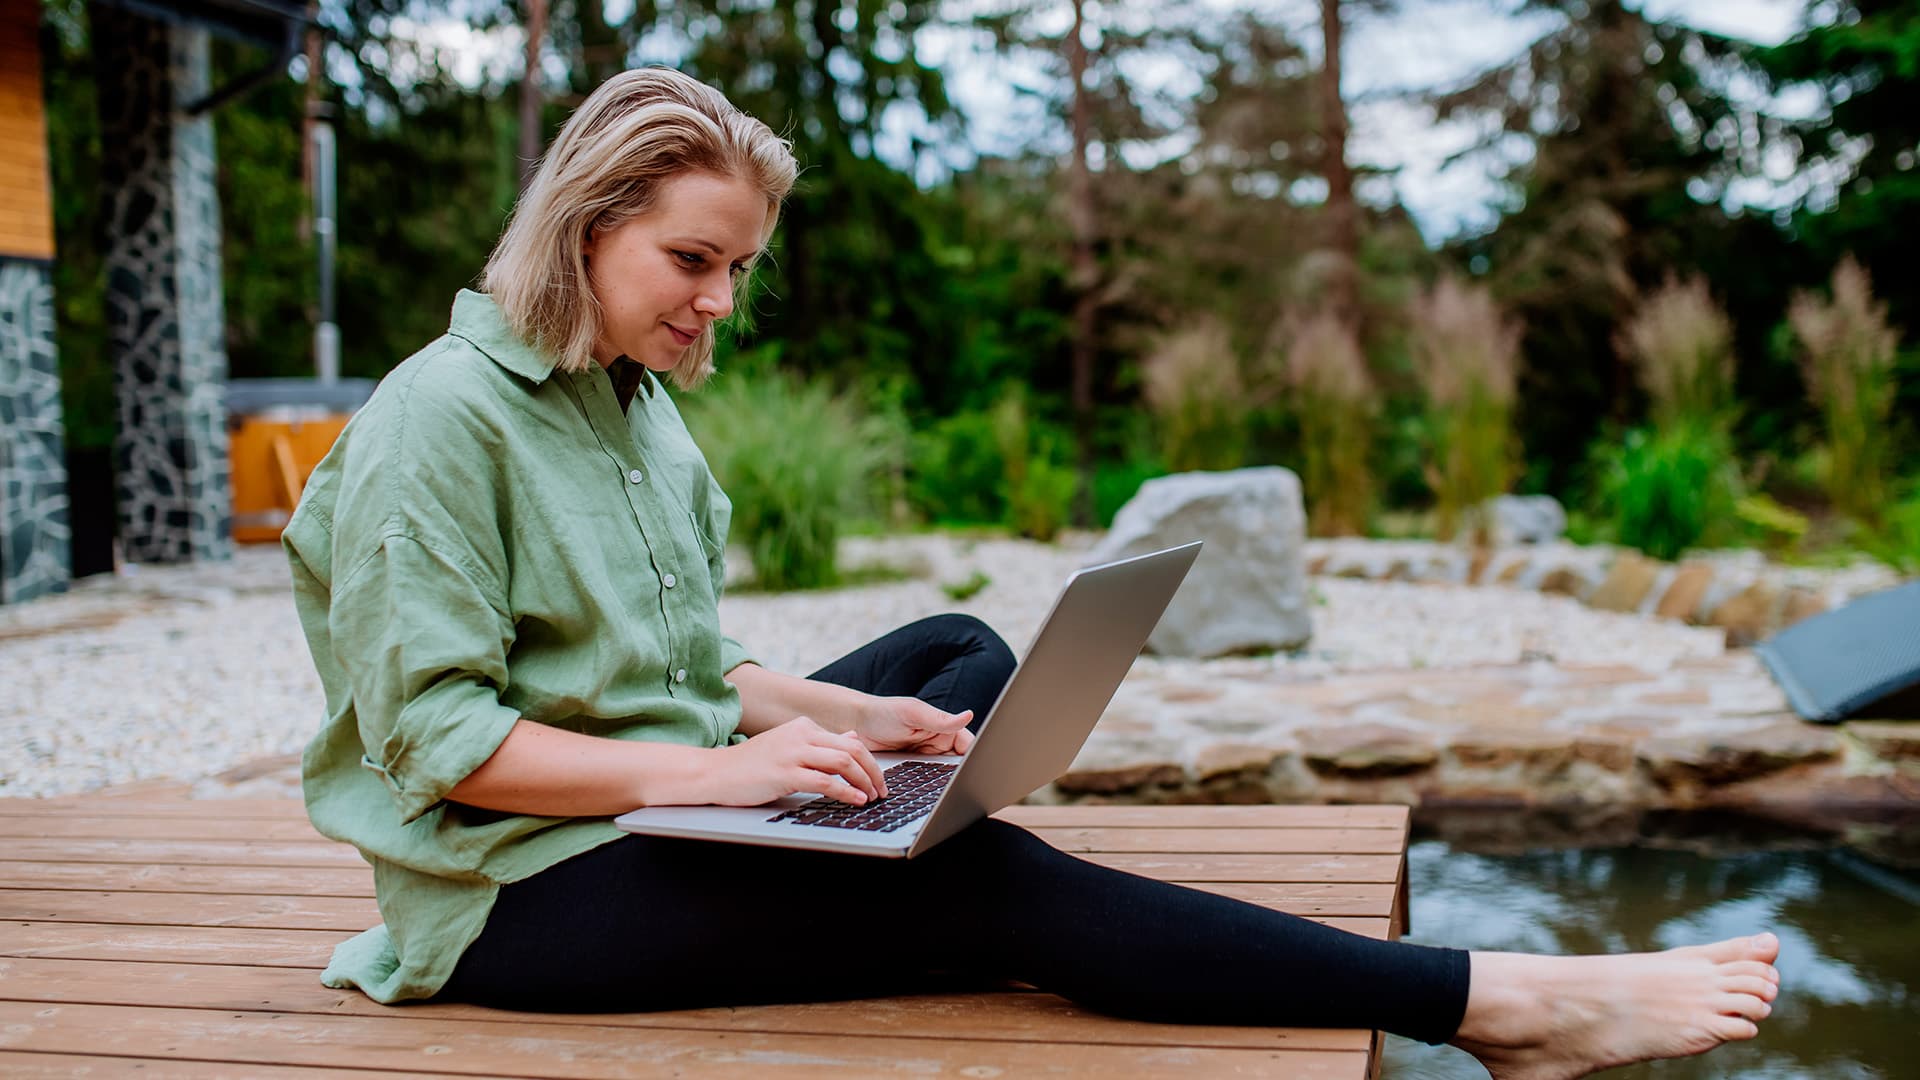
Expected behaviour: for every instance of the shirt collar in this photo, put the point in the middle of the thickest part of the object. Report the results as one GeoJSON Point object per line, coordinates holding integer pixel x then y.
{"type": "Point", "coordinates": [477, 319]}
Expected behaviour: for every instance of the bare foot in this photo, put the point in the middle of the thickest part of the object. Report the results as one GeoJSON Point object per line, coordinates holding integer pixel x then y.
{"type": "Point", "coordinates": [1559, 1017]}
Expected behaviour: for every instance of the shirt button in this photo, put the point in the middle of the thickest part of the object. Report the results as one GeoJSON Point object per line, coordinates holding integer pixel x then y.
{"type": "Point", "coordinates": [636, 476]}
{"type": "Point", "coordinates": [680, 676]}
{"type": "Point", "coordinates": [668, 580]}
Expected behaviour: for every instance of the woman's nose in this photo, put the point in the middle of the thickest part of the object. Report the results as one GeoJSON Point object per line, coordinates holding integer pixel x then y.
{"type": "Point", "coordinates": [715, 300]}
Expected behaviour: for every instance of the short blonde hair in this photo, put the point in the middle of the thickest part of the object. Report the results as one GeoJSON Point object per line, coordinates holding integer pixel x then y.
{"type": "Point", "coordinates": [638, 130]}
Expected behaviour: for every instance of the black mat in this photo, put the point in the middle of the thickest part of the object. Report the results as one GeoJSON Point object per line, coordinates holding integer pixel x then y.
{"type": "Point", "coordinates": [1862, 660]}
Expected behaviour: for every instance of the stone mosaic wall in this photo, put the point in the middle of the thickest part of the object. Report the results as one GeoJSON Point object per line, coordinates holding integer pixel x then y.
{"type": "Point", "coordinates": [164, 306]}
{"type": "Point", "coordinates": [34, 555]}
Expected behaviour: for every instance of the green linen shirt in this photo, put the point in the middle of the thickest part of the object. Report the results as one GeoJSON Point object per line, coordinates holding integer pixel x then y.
{"type": "Point", "coordinates": [491, 539]}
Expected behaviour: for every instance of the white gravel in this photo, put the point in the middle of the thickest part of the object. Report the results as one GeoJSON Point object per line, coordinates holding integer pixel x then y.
{"type": "Point", "coordinates": [184, 673]}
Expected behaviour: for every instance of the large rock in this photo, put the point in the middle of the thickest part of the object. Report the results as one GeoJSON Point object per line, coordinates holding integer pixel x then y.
{"type": "Point", "coordinates": [1247, 592]}
{"type": "Point", "coordinates": [1525, 519]}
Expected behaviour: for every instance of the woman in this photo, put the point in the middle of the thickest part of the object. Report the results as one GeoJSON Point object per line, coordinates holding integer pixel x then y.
{"type": "Point", "coordinates": [508, 571]}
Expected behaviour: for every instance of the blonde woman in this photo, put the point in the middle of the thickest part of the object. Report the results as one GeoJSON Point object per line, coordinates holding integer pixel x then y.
{"type": "Point", "coordinates": [508, 571]}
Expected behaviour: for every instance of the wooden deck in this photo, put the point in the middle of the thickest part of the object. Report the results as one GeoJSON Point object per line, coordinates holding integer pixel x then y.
{"type": "Point", "coordinates": [178, 938]}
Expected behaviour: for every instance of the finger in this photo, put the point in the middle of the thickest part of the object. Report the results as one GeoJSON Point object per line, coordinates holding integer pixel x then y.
{"type": "Point", "coordinates": [816, 782]}
{"type": "Point", "coordinates": [941, 720]}
{"type": "Point", "coordinates": [864, 757]}
{"type": "Point", "coordinates": [962, 741]}
{"type": "Point", "coordinates": [841, 763]}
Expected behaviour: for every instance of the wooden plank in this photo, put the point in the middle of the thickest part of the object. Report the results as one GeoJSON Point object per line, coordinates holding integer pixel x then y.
{"type": "Point", "coordinates": [117, 877]}
{"type": "Point", "coordinates": [108, 827]}
{"type": "Point", "coordinates": [1208, 817]}
{"type": "Point", "coordinates": [1227, 840]}
{"type": "Point", "coordinates": [257, 945]}
{"type": "Point", "coordinates": [260, 946]}
{"type": "Point", "coordinates": [189, 909]}
{"type": "Point", "coordinates": [590, 1050]}
{"type": "Point", "coordinates": [1175, 867]}
{"type": "Point", "coordinates": [1013, 1015]}
{"type": "Point", "coordinates": [22, 1066]}
{"type": "Point", "coordinates": [103, 803]}
{"type": "Point", "coordinates": [185, 852]}
{"type": "Point", "coordinates": [97, 803]}
{"type": "Point", "coordinates": [1340, 840]}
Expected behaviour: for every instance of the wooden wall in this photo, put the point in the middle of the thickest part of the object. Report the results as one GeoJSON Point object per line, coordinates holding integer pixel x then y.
{"type": "Point", "coordinates": [26, 199]}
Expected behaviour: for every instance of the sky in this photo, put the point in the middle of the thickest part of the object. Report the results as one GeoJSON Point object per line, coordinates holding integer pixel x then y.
{"type": "Point", "coordinates": [1422, 44]}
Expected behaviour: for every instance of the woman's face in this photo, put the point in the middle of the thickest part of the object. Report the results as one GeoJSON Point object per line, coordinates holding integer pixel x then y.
{"type": "Point", "coordinates": [662, 277]}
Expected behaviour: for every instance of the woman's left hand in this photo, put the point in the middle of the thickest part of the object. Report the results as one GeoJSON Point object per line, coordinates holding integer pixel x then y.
{"type": "Point", "coordinates": [907, 723]}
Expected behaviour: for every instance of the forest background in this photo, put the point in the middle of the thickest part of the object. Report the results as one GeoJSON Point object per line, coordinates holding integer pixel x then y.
{"type": "Point", "coordinates": [1173, 273]}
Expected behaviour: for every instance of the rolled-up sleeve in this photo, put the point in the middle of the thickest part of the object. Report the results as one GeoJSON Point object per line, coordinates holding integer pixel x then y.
{"type": "Point", "coordinates": [423, 644]}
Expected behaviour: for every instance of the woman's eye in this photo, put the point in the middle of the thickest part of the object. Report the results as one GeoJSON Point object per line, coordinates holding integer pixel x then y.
{"type": "Point", "coordinates": [690, 259]}
{"type": "Point", "coordinates": [737, 270]}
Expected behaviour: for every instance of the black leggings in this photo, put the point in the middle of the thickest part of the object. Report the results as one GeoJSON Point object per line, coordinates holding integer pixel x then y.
{"type": "Point", "coordinates": [645, 923]}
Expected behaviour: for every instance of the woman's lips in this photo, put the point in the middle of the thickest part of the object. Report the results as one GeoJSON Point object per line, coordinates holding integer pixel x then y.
{"type": "Point", "coordinates": [680, 335]}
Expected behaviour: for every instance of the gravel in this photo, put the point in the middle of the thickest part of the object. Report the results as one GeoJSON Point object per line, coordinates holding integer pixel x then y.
{"type": "Point", "coordinates": [189, 672]}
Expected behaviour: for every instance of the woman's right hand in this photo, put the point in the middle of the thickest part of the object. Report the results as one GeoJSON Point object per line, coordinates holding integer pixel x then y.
{"type": "Point", "coordinates": [797, 757]}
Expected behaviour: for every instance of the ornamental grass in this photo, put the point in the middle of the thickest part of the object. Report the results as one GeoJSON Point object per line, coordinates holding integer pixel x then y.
{"type": "Point", "coordinates": [1847, 354]}
{"type": "Point", "coordinates": [1466, 354]}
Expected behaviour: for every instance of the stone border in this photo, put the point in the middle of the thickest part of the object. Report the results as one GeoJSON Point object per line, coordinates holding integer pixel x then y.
{"type": "Point", "coordinates": [1738, 591]}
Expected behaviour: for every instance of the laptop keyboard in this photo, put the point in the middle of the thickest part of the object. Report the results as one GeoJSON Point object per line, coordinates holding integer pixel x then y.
{"type": "Point", "coordinates": [912, 788]}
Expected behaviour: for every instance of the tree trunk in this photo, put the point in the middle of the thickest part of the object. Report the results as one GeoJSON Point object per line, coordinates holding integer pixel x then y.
{"type": "Point", "coordinates": [1085, 271]}
{"type": "Point", "coordinates": [316, 47]}
{"type": "Point", "coordinates": [1343, 233]}
{"type": "Point", "coordinates": [531, 135]}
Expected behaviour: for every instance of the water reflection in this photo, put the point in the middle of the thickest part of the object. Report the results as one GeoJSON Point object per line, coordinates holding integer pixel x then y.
{"type": "Point", "coordinates": [1849, 928]}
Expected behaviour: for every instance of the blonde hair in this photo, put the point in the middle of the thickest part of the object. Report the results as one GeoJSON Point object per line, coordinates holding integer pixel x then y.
{"type": "Point", "coordinates": [638, 130]}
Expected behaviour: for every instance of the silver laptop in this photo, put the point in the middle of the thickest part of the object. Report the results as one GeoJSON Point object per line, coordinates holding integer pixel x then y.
{"type": "Point", "coordinates": [1085, 647]}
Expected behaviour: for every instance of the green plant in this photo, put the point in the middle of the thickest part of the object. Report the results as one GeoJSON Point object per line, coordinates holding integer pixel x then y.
{"type": "Point", "coordinates": [1848, 353]}
{"type": "Point", "coordinates": [1193, 385]}
{"type": "Point", "coordinates": [1896, 540]}
{"type": "Point", "coordinates": [1116, 482]}
{"type": "Point", "coordinates": [1778, 526]}
{"type": "Point", "coordinates": [1466, 354]}
{"type": "Point", "coordinates": [1039, 488]}
{"type": "Point", "coordinates": [797, 460]}
{"type": "Point", "coordinates": [1670, 489]}
{"type": "Point", "coordinates": [1680, 344]}
{"type": "Point", "coordinates": [956, 472]}
{"type": "Point", "coordinates": [1336, 403]}
{"type": "Point", "coordinates": [967, 589]}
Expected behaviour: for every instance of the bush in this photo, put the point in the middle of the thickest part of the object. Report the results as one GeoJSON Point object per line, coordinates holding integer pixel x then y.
{"type": "Point", "coordinates": [1466, 354]}
{"type": "Point", "coordinates": [957, 474]}
{"type": "Point", "coordinates": [1193, 385]}
{"type": "Point", "coordinates": [1115, 483]}
{"type": "Point", "coordinates": [1039, 487]}
{"type": "Point", "coordinates": [1848, 353]}
{"type": "Point", "coordinates": [1896, 541]}
{"type": "Point", "coordinates": [1671, 489]}
{"type": "Point", "coordinates": [797, 460]}
{"type": "Point", "coordinates": [1681, 346]}
{"type": "Point", "coordinates": [1336, 403]}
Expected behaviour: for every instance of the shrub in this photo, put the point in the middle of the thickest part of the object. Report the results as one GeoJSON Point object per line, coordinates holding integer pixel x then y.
{"type": "Point", "coordinates": [1680, 345]}
{"type": "Point", "coordinates": [1335, 401]}
{"type": "Point", "coordinates": [957, 473]}
{"type": "Point", "coordinates": [1847, 358]}
{"type": "Point", "coordinates": [1115, 483]}
{"type": "Point", "coordinates": [1896, 540]}
{"type": "Point", "coordinates": [1669, 488]}
{"type": "Point", "coordinates": [1039, 487]}
{"type": "Point", "coordinates": [1466, 354]}
{"type": "Point", "coordinates": [1193, 385]}
{"type": "Point", "coordinates": [797, 460]}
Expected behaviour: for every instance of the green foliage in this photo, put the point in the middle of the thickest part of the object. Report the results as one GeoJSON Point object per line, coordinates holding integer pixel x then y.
{"type": "Point", "coordinates": [1116, 482]}
{"type": "Point", "coordinates": [1194, 387]}
{"type": "Point", "coordinates": [796, 459]}
{"type": "Point", "coordinates": [1775, 525]}
{"type": "Point", "coordinates": [957, 473]}
{"type": "Point", "coordinates": [1039, 485]}
{"type": "Point", "coordinates": [1466, 354]}
{"type": "Point", "coordinates": [1896, 541]}
{"type": "Point", "coordinates": [1335, 402]}
{"type": "Point", "coordinates": [1849, 351]}
{"type": "Point", "coordinates": [1670, 489]}
{"type": "Point", "coordinates": [958, 591]}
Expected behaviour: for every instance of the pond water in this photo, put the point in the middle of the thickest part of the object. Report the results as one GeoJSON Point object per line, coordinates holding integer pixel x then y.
{"type": "Point", "coordinates": [1845, 903]}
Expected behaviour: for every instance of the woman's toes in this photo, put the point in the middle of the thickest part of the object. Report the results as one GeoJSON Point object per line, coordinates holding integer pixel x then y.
{"type": "Point", "coordinates": [1744, 1005]}
{"type": "Point", "coordinates": [1754, 968]}
{"type": "Point", "coordinates": [1760, 947]}
{"type": "Point", "coordinates": [1732, 1028]}
{"type": "Point", "coordinates": [1750, 984]}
